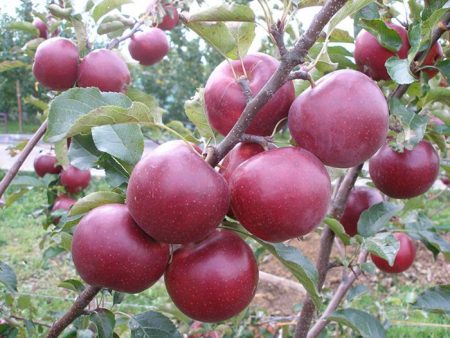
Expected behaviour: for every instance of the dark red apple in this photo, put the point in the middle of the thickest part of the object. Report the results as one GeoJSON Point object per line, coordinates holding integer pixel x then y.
{"type": "Point", "coordinates": [42, 27]}
{"type": "Point", "coordinates": [280, 194]}
{"type": "Point", "coordinates": [104, 69]}
{"type": "Point", "coordinates": [46, 164]}
{"type": "Point", "coordinates": [149, 47]}
{"type": "Point", "coordinates": [446, 181]}
{"type": "Point", "coordinates": [109, 250]}
{"type": "Point", "coordinates": [170, 20]}
{"type": "Point", "coordinates": [225, 99]}
{"type": "Point", "coordinates": [370, 55]}
{"type": "Point", "coordinates": [63, 203]}
{"type": "Point", "coordinates": [359, 200]}
{"type": "Point", "coordinates": [213, 280]}
{"type": "Point", "coordinates": [407, 174]}
{"type": "Point", "coordinates": [403, 260]}
{"type": "Point", "coordinates": [175, 196]}
{"type": "Point", "coordinates": [343, 120]}
{"type": "Point", "coordinates": [433, 56]}
{"type": "Point", "coordinates": [74, 179]}
{"type": "Point", "coordinates": [56, 63]}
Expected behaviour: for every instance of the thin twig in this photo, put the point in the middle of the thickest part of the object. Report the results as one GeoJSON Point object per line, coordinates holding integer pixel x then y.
{"type": "Point", "coordinates": [277, 33]}
{"type": "Point", "coordinates": [263, 141]}
{"type": "Point", "coordinates": [302, 75]}
{"type": "Point", "coordinates": [137, 26]}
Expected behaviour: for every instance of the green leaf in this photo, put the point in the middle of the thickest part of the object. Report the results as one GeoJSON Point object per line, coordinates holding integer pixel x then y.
{"type": "Point", "coordinates": [195, 111]}
{"type": "Point", "coordinates": [383, 245]}
{"type": "Point", "coordinates": [24, 26]}
{"type": "Point", "coordinates": [147, 99]}
{"type": "Point", "coordinates": [338, 230]}
{"type": "Point", "coordinates": [444, 68]}
{"type": "Point", "coordinates": [300, 266]}
{"type": "Point", "coordinates": [28, 181]}
{"type": "Point", "coordinates": [350, 8]}
{"type": "Point", "coordinates": [81, 33]}
{"type": "Point", "coordinates": [435, 299]}
{"type": "Point", "coordinates": [369, 12]}
{"type": "Point", "coordinates": [111, 26]}
{"type": "Point", "coordinates": [82, 152]}
{"type": "Point", "coordinates": [8, 277]}
{"type": "Point", "coordinates": [107, 6]}
{"type": "Point", "coordinates": [59, 12]}
{"type": "Point", "coordinates": [179, 128]}
{"type": "Point", "coordinates": [105, 321]}
{"type": "Point", "coordinates": [230, 12]}
{"type": "Point", "coordinates": [94, 200]}
{"type": "Point", "coordinates": [72, 284]}
{"type": "Point", "coordinates": [356, 291]}
{"type": "Point", "coordinates": [118, 297]}
{"type": "Point", "coordinates": [30, 99]}
{"type": "Point", "coordinates": [8, 65]}
{"type": "Point", "coordinates": [340, 35]}
{"type": "Point", "coordinates": [124, 141]}
{"type": "Point", "coordinates": [152, 324]}
{"type": "Point", "coordinates": [373, 219]}
{"type": "Point", "coordinates": [61, 153]}
{"type": "Point", "coordinates": [362, 322]}
{"type": "Point", "coordinates": [399, 71]}
{"type": "Point", "coordinates": [387, 37]}
{"type": "Point", "coordinates": [437, 94]}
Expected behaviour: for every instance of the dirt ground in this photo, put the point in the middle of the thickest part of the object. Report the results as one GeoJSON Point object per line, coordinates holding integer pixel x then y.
{"type": "Point", "coordinates": [280, 300]}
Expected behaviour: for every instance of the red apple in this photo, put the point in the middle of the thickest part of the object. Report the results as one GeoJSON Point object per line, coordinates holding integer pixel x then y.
{"type": "Point", "coordinates": [370, 55]}
{"type": "Point", "coordinates": [359, 200]}
{"type": "Point", "coordinates": [104, 69]}
{"type": "Point", "coordinates": [56, 63]}
{"type": "Point", "coordinates": [74, 179]}
{"type": "Point", "coordinates": [446, 181]}
{"type": "Point", "coordinates": [149, 47]}
{"type": "Point", "coordinates": [175, 196]}
{"type": "Point", "coordinates": [225, 99]}
{"type": "Point", "coordinates": [403, 260]}
{"type": "Point", "coordinates": [170, 20]}
{"type": "Point", "coordinates": [407, 174]}
{"type": "Point", "coordinates": [280, 194]}
{"type": "Point", "coordinates": [64, 203]}
{"type": "Point", "coordinates": [343, 120]}
{"type": "Point", "coordinates": [213, 280]}
{"type": "Point", "coordinates": [42, 27]}
{"type": "Point", "coordinates": [433, 56]}
{"type": "Point", "coordinates": [109, 250]}
{"type": "Point", "coordinates": [46, 164]}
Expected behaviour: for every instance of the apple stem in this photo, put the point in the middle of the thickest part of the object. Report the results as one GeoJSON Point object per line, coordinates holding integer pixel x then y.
{"type": "Point", "coordinates": [302, 75]}
{"type": "Point", "coordinates": [263, 141]}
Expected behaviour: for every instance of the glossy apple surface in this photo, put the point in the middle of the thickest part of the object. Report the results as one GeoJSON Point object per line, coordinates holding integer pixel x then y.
{"type": "Point", "coordinates": [280, 194]}
{"type": "Point", "coordinates": [403, 260]}
{"type": "Point", "coordinates": [149, 47]}
{"type": "Point", "coordinates": [42, 27]}
{"type": "Point", "coordinates": [405, 175]}
{"type": "Point", "coordinates": [175, 196]}
{"type": "Point", "coordinates": [74, 179]}
{"type": "Point", "coordinates": [104, 69]}
{"type": "Point", "coordinates": [343, 120]}
{"type": "Point", "coordinates": [56, 64]}
{"type": "Point", "coordinates": [225, 99]}
{"type": "Point", "coordinates": [170, 20]}
{"type": "Point", "coordinates": [109, 250]}
{"type": "Point", "coordinates": [213, 280]}
{"type": "Point", "coordinates": [370, 55]}
{"type": "Point", "coordinates": [63, 202]}
{"type": "Point", "coordinates": [359, 200]}
{"type": "Point", "coordinates": [46, 164]}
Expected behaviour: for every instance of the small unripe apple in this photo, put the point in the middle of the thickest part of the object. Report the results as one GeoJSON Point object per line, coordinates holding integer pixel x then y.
{"type": "Point", "coordinates": [170, 20]}
{"type": "Point", "coordinates": [175, 196]}
{"type": "Point", "coordinates": [104, 69]}
{"type": "Point", "coordinates": [343, 120]}
{"type": "Point", "coordinates": [74, 179]}
{"type": "Point", "coordinates": [213, 280]}
{"type": "Point", "coordinates": [404, 259]}
{"type": "Point", "coordinates": [62, 202]}
{"type": "Point", "coordinates": [56, 63]}
{"type": "Point", "coordinates": [359, 200]}
{"type": "Point", "coordinates": [46, 164]}
{"type": "Point", "coordinates": [149, 47]}
{"type": "Point", "coordinates": [280, 194]}
{"type": "Point", "coordinates": [370, 55]}
{"type": "Point", "coordinates": [42, 27]}
{"type": "Point", "coordinates": [407, 174]}
{"type": "Point", "coordinates": [225, 99]}
{"type": "Point", "coordinates": [109, 250]}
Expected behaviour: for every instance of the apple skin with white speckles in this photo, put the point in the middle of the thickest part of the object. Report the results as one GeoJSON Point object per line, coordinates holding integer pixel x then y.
{"type": "Point", "coordinates": [280, 194]}
{"type": "Point", "coordinates": [404, 259]}
{"type": "Point", "coordinates": [405, 175]}
{"type": "Point", "coordinates": [109, 250]}
{"type": "Point", "coordinates": [343, 120]}
{"type": "Point", "coordinates": [175, 196]}
{"type": "Point", "coordinates": [213, 280]}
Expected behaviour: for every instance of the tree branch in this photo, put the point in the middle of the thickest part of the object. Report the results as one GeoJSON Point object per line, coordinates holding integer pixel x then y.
{"type": "Point", "coordinates": [12, 172]}
{"type": "Point", "coordinates": [74, 312]}
{"type": "Point", "coordinates": [114, 43]}
{"type": "Point", "coordinates": [263, 141]}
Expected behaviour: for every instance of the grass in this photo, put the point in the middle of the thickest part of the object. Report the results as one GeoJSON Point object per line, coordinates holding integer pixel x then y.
{"type": "Point", "coordinates": [28, 127]}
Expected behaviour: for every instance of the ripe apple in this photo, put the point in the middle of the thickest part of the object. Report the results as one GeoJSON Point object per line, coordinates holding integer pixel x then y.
{"type": "Point", "coordinates": [170, 20]}
{"type": "Point", "coordinates": [359, 200]}
{"type": "Point", "coordinates": [42, 27]}
{"type": "Point", "coordinates": [109, 250]}
{"type": "Point", "coordinates": [446, 181]}
{"type": "Point", "coordinates": [104, 69]}
{"type": "Point", "coordinates": [407, 174]}
{"type": "Point", "coordinates": [175, 196]}
{"type": "Point", "coordinates": [403, 260]}
{"type": "Point", "coordinates": [74, 179]}
{"type": "Point", "coordinates": [56, 63]}
{"type": "Point", "coordinates": [62, 202]}
{"type": "Point", "coordinates": [149, 47]}
{"type": "Point", "coordinates": [343, 120]}
{"type": "Point", "coordinates": [280, 194]}
{"type": "Point", "coordinates": [433, 56]}
{"type": "Point", "coordinates": [370, 55]}
{"type": "Point", "coordinates": [46, 164]}
{"type": "Point", "coordinates": [225, 99]}
{"type": "Point", "coordinates": [212, 280]}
